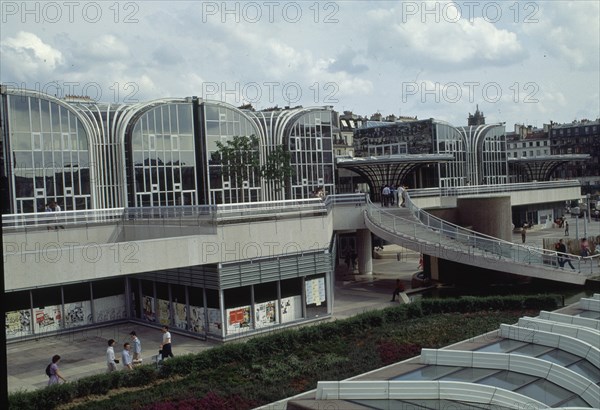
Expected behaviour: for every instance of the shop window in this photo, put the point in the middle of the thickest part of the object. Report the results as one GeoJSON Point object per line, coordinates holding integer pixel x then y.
{"type": "Point", "coordinates": [316, 296]}
{"type": "Point", "coordinates": [47, 310]}
{"type": "Point", "coordinates": [196, 309]}
{"type": "Point", "coordinates": [109, 300]}
{"type": "Point", "coordinates": [78, 305]}
{"type": "Point", "coordinates": [291, 300]}
{"type": "Point", "coordinates": [18, 321]}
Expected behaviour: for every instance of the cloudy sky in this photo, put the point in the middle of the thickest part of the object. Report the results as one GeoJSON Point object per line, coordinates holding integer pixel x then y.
{"type": "Point", "coordinates": [521, 62]}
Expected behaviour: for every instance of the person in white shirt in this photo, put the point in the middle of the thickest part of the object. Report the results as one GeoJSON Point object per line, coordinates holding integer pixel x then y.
{"type": "Point", "coordinates": [165, 346]}
{"type": "Point", "coordinates": [111, 362]}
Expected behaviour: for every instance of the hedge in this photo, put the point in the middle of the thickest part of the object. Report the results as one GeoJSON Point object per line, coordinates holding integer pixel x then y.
{"type": "Point", "coordinates": [272, 346]}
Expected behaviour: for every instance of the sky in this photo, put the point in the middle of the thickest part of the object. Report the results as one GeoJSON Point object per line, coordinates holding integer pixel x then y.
{"type": "Point", "coordinates": [526, 62]}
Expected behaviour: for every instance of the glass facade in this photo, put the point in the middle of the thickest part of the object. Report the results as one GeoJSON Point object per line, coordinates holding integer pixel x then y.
{"type": "Point", "coordinates": [163, 157]}
{"type": "Point", "coordinates": [415, 137]}
{"type": "Point", "coordinates": [235, 182]}
{"type": "Point", "coordinates": [310, 144]}
{"type": "Point", "coordinates": [486, 154]}
{"type": "Point", "coordinates": [49, 155]}
{"type": "Point", "coordinates": [450, 141]}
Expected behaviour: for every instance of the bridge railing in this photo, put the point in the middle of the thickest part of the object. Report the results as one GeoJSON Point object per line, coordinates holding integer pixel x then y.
{"type": "Point", "coordinates": [186, 215]}
{"type": "Point", "coordinates": [358, 199]}
{"type": "Point", "coordinates": [497, 188]}
{"type": "Point", "coordinates": [57, 220]}
{"type": "Point", "coordinates": [433, 230]}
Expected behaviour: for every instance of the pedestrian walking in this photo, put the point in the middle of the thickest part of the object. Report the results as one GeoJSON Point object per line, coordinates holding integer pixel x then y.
{"type": "Point", "coordinates": [402, 195]}
{"type": "Point", "coordinates": [111, 362]}
{"type": "Point", "coordinates": [566, 228]}
{"type": "Point", "coordinates": [53, 372]}
{"type": "Point", "coordinates": [126, 357]}
{"type": "Point", "coordinates": [137, 348]}
{"type": "Point", "coordinates": [524, 233]}
{"type": "Point", "coordinates": [563, 256]}
{"type": "Point", "coordinates": [399, 288]}
{"type": "Point", "coordinates": [166, 349]}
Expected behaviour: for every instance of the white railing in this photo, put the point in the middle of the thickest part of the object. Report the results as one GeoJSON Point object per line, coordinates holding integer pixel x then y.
{"type": "Point", "coordinates": [179, 215]}
{"type": "Point", "coordinates": [433, 230]}
{"type": "Point", "coordinates": [358, 199]}
{"type": "Point", "coordinates": [61, 219]}
{"type": "Point", "coordinates": [487, 189]}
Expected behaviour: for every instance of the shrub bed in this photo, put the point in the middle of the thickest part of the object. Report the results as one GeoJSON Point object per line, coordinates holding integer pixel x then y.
{"type": "Point", "coordinates": [270, 368]}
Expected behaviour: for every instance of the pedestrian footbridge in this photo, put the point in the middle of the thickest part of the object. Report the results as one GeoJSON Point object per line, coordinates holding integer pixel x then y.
{"type": "Point", "coordinates": [96, 244]}
{"type": "Point", "coordinates": [415, 229]}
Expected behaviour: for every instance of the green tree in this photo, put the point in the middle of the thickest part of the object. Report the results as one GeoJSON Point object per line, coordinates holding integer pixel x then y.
{"type": "Point", "coordinates": [277, 167]}
{"type": "Point", "coordinates": [239, 160]}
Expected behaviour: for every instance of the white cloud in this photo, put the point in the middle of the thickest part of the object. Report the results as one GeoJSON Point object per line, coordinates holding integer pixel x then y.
{"type": "Point", "coordinates": [569, 31]}
{"type": "Point", "coordinates": [106, 48]}
{"type": "Point", "coordinates": [359, 63]}
{"type": "Point", "coordinates": [28, 56]}
{"type": "Point", "coordinates": [413, 39]}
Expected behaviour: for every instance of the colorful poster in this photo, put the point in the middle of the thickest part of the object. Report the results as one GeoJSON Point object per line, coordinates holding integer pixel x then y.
{"type": "Point", "coordinates": [180, 318]}
{"type": "Point", "coordinates": [110, 308]}
{"type": "Point", "coordinates": [291, 309]}
{"type": "Point", "coordinates": [238, 318]}
{"type": "Point", "coordinates": [265, 314]}
{"type": "Point", "coordinates": [18, 323]}
{"type": "Point", "coordinates": [149, 312]}
{"type": "Point", "coordinates": [47, 319]}
{"type": "Point", "coordinates": [78, 314]}
{"type": "Point", "coordinates": [164, 313]}
{"type": "Point", "coordinates": [197, 319]}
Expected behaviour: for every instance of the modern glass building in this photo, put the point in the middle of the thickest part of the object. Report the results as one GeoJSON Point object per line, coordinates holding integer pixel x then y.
{"type": "Point", "coordinates": [164, 154]}
{"type": "Point", "coordinates": [88, 155]}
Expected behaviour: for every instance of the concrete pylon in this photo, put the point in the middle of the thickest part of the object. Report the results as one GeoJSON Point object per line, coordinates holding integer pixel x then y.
{"type": "Point", "coordinates": [365, 252]}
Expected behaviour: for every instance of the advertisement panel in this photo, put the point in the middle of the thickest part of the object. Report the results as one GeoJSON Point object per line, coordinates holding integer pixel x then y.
{"type": "Point", "coordinates": [18, 323]}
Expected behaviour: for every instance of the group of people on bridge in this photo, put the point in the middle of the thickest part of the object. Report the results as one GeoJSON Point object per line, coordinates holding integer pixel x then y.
{"type": "Point", "coordinates": [390, 195]}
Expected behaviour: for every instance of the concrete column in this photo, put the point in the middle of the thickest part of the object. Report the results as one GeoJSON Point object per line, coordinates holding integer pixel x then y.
{"type": "Point", "coordinates": [490, 215]}
{"type": "Point", "coordinates": [365, 251]}
{"type": "Point", "coordinates": [434, 268]}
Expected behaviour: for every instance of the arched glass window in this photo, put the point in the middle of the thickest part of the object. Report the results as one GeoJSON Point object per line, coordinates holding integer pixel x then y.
{"type": "Point", "coordinates": [163, 157]}
{"type": "Point", "coordinates": [50, 155]}
{"type": "Point", "coordinates": [229, 185]}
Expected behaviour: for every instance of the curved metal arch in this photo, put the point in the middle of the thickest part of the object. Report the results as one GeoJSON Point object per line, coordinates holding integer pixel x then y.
{"type": "Point", "coordinates": [474, 136]}
{"type": "Point", "coordinates": [462, 392]}
{"type": "Point", "coordinates": [515, 363]}
{"type": "Point", "coordinates": [538, 169]}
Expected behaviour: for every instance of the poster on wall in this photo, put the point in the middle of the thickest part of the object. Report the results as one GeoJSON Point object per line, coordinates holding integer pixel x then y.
{"type": "Point", "coordinates": [315, 291]}
{"type": "Point", "coordinates": [78, 313]}
{"type": "Point", "coordinates": [291, 309]}
{"type": "Point", "coordinates": [164, 313]}
{"type": "Point", "coordinates": [180, 316]}
{"type": "Point", "coordinates": [18, 323]}
{"type": "Point", "coordinates": [238, 319]}
{"type": "Point", "coordinates": [214, 320]}
{"type": "Point", "coordinates": [265, 314]}
{"type": "Point", "coordinates": [110, 308]}
{"type": "Point", "coordinates": [47, 319]}
{"type": "Point", "coordinates": [149, 312]}
{"type": "Point", "coordinates": [197, 319]}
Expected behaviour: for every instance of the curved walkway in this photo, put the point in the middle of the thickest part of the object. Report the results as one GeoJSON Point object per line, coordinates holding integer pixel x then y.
{"type": "Point", "coordinates": [415, 229]}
